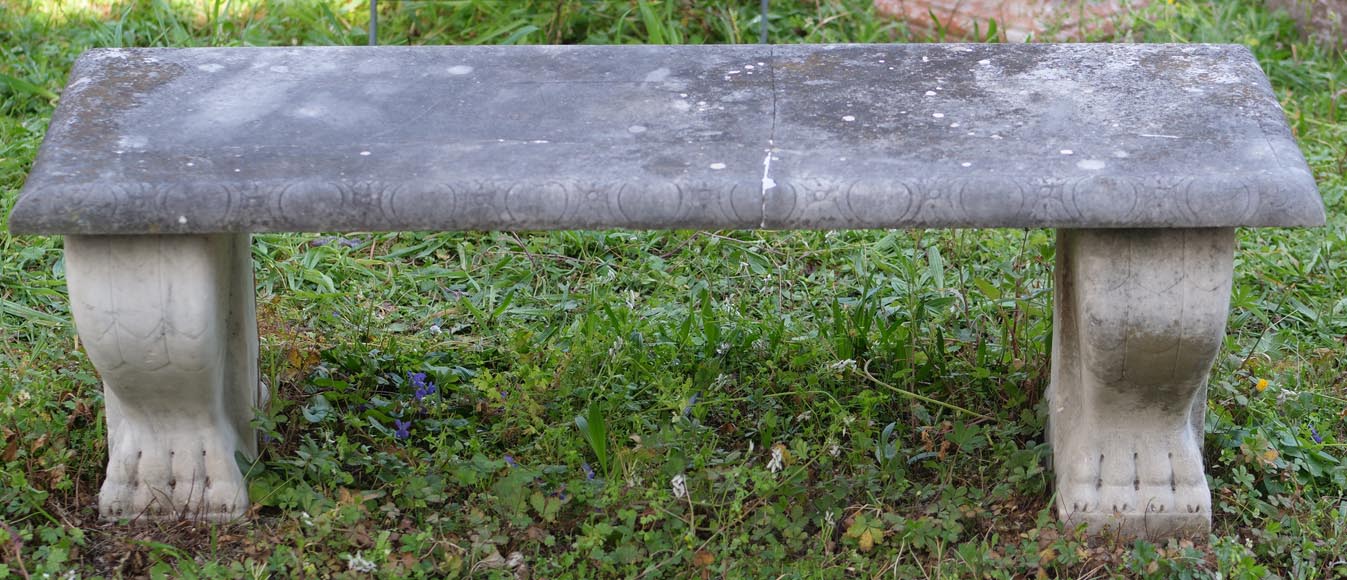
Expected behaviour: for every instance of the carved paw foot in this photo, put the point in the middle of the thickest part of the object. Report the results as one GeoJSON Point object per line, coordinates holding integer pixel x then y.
{"type": "Point", "coordinates": [1145, 484]}
{"type": "Point", "coordinates": [181, 474]}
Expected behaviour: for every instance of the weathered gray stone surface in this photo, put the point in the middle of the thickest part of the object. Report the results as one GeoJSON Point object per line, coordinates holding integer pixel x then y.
{"type": "Point", "coordinates": [1139, 317]}
{"type": "Point", "coordinates": [170, 323]}
{"type": "Point", "coordinates": [842, 136]}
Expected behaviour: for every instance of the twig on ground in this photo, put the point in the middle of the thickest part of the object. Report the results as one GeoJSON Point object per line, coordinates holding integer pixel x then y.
{"type": "Point", "coordinates": [865, 372]}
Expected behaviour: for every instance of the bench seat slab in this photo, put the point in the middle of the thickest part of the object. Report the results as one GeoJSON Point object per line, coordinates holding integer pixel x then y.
{"type": "Point", "coordinates": [1139, 318]}
{"type": "Point", "coordinates": [169, 323]}
{"type": "Point", "coordinates": [207, 140]}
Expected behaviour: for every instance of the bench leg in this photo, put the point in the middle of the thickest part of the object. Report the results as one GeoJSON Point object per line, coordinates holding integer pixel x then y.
{"type": "Point", "coordinates": [170, 325]}
{"type": "Point", "coordinates": [1139, 318]}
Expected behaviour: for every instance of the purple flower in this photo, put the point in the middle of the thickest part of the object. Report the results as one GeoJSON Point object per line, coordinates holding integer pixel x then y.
{"type": "Point", "coordinates": [425, 391]}
{"type": "Point", "coordinates": [424, 387]}
{"type": "Point", "coordinates": [418, 380]}
{"type": "Point", "coordinates": [1315, 434]}
{"type": "Point", "coordinates": [403, 429]}
{"type": "Point", "coordinates": [510, 461]}
{"type": "Point", "coordinates": [589, 471]}
{"type": "Point", "coordinates": [691, 401]}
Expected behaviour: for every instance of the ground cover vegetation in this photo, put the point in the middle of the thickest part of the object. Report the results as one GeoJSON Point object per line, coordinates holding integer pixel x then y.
{"type": "Point", "coordinates": [666, 404]}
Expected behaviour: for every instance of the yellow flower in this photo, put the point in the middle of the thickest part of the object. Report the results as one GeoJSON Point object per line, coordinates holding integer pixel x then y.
{"type": "Point", "coordinates": [1261, 385]}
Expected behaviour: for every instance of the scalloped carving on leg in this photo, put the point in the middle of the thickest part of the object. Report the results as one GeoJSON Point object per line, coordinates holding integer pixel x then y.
{"type": "Point", "coordinates": [1139, 318]}
{"type": "Point", "coordinates": [169, 323]}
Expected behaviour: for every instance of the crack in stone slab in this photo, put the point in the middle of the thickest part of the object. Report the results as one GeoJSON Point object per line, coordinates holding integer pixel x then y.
{"type": "Point", "coordinates": [767, 181]}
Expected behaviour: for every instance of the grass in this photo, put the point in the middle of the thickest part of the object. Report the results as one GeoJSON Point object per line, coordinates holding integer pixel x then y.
{"type": "Point", "coordinates": [586, 380]}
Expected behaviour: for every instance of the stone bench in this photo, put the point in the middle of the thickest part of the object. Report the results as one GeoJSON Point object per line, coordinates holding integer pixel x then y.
{"type": "Point", "coordinates": [159, 163]}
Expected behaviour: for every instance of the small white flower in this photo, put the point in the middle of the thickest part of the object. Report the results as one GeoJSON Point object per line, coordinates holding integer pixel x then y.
{"type": "Point", "coordinates": [829, 521]}
{"type": "Point", "coordinates": [358, 563]}
{"type": "Point", "coordinates": [680, 486]}
{"type": "Point", "coordinates": [774, 465]}
{"type": "Point", "coordinates": [434, 329]}
{"type": "Point", "coordinates": [843, 365]}
{"type": "Point", "coordinates": [306, 519]}
{"type": "Point", "coordinates": [802, 417]}
{"type": "Point", "coordinates": [616, 348]}
{"type": "Point", "coordinates": [1285, 395]}
{"type": "Point", "coordinates": [722, 348]}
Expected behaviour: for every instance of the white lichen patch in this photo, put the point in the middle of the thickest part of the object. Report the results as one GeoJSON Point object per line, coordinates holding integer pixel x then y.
{"type": "Point", "coordinates": [280, 69]}
{"type": "Point", "coordinates": [966, 164]}
{"type": "Point", "coordinates": [364, 153]}
{"type": "Point", "coordinates": [1090, 164]}
{"type": "Point", "coordinates": [938, 115]}
{"type": "Point", "coordinates": [657, 75]}
{"type": "Point", "coordinates": [681, 105]}
{"type": "Point", "coordinates": [1067, 152]}
{"type": "Point", "coordinates": [717, 166]}
{"type": "Point", "coordinates": [210, 67]}
{"type": "Point", "coordinates": [767, 181]}
{"type": "Point", "coordinates": [1120, 154]}
{"type": "Point", "coordinates": [930, 93]}
{"type": "Point", "coordinates": [636, 129]}
{"type": "Point", "coordinates": [848, 118]}
{"type": "Point", "coordinates": [460, 69]}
